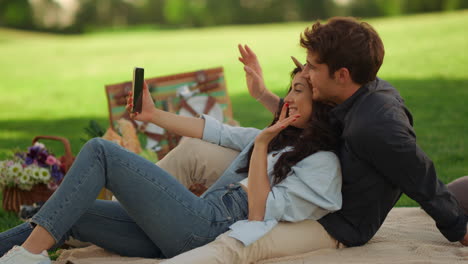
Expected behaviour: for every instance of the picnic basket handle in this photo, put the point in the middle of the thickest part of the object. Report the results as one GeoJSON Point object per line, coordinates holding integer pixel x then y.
{"type": "Point", "coordinates": [68, 157]}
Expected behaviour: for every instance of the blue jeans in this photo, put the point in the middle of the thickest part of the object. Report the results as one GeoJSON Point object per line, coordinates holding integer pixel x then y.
{"type": "Point", "coordinates": [156, 216]}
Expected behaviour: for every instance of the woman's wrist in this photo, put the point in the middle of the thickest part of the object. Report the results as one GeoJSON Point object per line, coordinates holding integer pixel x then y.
{"type": "Point", "coordinates": [261, 95]}
{"type": "Point", "coordinates": [154, 116]}
{"type": "Point", "coordinates": [261, 142]}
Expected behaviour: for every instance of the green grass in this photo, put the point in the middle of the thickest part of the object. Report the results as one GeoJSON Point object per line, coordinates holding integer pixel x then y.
{"type": "Point", "coordinates": [54, 85]}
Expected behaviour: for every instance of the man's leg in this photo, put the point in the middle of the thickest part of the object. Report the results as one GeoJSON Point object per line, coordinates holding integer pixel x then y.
{"type": "Point", "coordinates": [196, 161]}
{"type": "Point", "coordinates": [459, 189]}
{"type": "Point", "coordinates": [286, 239]}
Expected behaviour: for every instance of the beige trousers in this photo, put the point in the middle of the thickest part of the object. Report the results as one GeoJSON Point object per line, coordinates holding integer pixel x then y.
{"type": "Point", "coordinates": [196, 161]}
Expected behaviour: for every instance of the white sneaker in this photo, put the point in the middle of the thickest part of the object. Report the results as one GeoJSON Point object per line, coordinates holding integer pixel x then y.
{"type": "Point", "coordinates": [19, 255]}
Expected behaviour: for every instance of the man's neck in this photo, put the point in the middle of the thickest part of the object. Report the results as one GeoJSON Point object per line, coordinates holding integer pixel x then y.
{"type": "Point", "coordinates": [347, 92]}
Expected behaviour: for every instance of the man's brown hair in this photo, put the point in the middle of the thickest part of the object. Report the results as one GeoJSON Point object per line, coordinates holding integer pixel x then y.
{"type": "Point", "coordinates": [346, 42]}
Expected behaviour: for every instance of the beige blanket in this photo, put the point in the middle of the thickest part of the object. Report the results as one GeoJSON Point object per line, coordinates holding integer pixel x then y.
{"type": "Point", "coordinates": [408, 235]}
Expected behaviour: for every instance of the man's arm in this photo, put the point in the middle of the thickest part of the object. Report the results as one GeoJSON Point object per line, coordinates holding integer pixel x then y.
{"type": "Point", "coordinates": [389, 144]}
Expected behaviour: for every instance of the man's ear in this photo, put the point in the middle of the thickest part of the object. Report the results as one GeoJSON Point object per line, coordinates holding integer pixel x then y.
{"type": "Point", "coordinates": [342, 75]}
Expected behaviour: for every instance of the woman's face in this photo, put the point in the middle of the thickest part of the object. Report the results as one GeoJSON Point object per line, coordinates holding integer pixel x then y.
{"type": "Point", "coordinates": [299, 100]}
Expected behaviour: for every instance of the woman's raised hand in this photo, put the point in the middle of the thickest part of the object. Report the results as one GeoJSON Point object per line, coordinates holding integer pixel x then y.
{"type": "Point", "coordinates": [269, 133]}
{"type": "Point", "coordinates": [253, 72]}
{"type": "Point", "coordinates": [147, 109]}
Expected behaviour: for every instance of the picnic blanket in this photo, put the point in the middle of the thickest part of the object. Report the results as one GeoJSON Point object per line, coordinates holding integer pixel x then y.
{"type": "Point", "coordinates": [408, 235]}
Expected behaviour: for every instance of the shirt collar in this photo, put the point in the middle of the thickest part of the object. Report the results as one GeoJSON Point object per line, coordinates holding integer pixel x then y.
{"type": "Point", "coordinates": [340, 111]}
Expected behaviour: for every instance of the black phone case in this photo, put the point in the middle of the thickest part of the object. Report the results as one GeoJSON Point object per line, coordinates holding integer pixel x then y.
{"type": "Point", "coordinates": [137, 89]}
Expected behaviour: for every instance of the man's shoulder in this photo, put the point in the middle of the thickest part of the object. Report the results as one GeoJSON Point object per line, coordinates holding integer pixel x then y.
{"type": "Point", "coordinates": [381, 93]}
{"type": "Point", "coordinates": [380, 103]}
{"type": "Point", "coordinates": [380, 110]}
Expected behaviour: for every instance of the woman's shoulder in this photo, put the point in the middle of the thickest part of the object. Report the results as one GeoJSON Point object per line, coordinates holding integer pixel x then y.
{"type": "Point", "coordinates": [321, 157]}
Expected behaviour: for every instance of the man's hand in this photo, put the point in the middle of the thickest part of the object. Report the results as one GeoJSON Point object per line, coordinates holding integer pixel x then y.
{"type": "Point", "coordinates": [253, 72]}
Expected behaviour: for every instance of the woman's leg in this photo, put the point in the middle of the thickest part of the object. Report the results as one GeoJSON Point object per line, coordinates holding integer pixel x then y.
{"type": "Point", "coordinates": [172, 217]}
{"type": "Point", "coordinates": [185, 162]}
{"type": "Point", "coordinates": [105, 224]}
{"type": "Point", "coordinates": [15, 236]}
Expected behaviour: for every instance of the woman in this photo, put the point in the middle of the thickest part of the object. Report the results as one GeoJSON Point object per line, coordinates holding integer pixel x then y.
{"type": "Point", "coordinates": [292, 175]}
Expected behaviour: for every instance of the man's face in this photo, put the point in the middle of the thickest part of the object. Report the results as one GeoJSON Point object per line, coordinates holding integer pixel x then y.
{"type": "Point", "coordinates": [324, 88]}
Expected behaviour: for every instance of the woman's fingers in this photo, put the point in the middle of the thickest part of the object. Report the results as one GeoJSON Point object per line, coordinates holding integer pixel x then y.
{"type": "Point", "coordinates": [287, 121]}
{"type": "Point", "coordinates": [284, 111]}
{"type": "Point", "coordinates": [129, 105]}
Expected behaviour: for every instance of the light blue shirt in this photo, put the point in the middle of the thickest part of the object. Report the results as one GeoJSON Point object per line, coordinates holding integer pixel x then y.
{"type": "Point", "coordinates": [311, 190]}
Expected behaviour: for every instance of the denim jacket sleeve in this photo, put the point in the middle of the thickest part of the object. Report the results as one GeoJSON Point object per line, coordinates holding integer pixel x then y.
{"type": "Point", "coordinates": [236, 138]}
{"type": "Point", "coordinates": [312, 190]}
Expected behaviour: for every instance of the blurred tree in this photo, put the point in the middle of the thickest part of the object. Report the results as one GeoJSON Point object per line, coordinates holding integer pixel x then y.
{"type": "Point", "coordinates": [75, 16]}
{"type": "Point", "coordinates": [152, 12]}
{"type": "Point", "coordinates": [16, 14]}
{"type": "Point", "coordinates": [174, 12]}
{"type": "Point", "coordinates": [313, 10]}
{"type": "Point", "coordinates": [390, 8]}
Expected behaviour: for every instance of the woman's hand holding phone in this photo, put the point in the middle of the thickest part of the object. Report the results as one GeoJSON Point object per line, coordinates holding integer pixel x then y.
{"type": "Point", "coordinates": [147, 110]}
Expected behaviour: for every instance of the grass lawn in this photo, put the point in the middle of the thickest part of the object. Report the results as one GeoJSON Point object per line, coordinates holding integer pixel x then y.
{"type": "Point", "coordinates": [54, 85]}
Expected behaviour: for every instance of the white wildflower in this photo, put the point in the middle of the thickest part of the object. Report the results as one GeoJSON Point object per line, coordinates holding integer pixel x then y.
{"type": "Point", "coordinates": [40, 145]}
{"type": "Point", "coordinates": [14, 170]}
{"type": "Point", "coordinates": [44, 174]}
{"type": "Point", "coordinates": [3, 169]}
{"type": "Point", "coordinates": [23, 178]}
{"type": "Point", "coordinates": [36, 173]}
{"type": "Point", "coordinates": [29, 171]}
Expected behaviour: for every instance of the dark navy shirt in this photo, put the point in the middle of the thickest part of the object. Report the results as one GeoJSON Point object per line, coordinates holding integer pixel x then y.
{"type": "Point", "coordinates": [380, 160]}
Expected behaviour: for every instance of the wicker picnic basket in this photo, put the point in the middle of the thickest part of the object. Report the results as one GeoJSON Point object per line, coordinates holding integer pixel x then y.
{"type": "Point", "coordinates": [14, 197]}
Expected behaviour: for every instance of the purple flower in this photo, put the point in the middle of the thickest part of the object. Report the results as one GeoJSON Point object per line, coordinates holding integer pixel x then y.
{"type": "Point", "coordinates": [41, 159]}
{"type": "Point", "coordinates": [32, 151]}
{"type": "Point", "coordinates": [29, 160]}
{"type": "Point", "coordinates": [20, 155]}
{"type": "Point", "coordinates": [36, 152]}
{"type": "Point", "coordinates": [56, 173]}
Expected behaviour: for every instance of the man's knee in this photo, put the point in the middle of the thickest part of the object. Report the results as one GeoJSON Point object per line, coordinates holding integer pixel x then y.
{"type": "Point", "coordinates": [197, 161]}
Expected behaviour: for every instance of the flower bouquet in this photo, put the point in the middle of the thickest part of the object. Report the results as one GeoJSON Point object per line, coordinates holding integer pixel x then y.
{"type": "Point", "coordinates": [32, 176]}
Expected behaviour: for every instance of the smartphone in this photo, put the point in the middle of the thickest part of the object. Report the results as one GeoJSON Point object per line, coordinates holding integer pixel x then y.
{"type": "Point", "coordinates": [137, 89]}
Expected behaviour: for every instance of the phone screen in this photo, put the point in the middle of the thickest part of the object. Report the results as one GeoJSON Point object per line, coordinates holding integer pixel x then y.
{"type": "Point", "coordinates": [137, 88]}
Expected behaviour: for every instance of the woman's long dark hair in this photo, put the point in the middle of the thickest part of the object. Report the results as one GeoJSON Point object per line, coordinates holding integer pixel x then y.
{"type": "Point", "coordinates": [318, 135]}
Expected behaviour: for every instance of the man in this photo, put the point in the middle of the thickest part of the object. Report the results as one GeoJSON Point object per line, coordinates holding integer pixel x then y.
{"type": "Point", "coordinates": [379, 155]}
